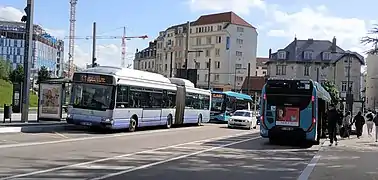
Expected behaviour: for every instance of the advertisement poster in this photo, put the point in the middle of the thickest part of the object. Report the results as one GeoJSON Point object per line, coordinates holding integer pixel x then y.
{"type": "Point", "coordinates": [287, 116]}
{"type": "Point", "coordinates": [50, 101]}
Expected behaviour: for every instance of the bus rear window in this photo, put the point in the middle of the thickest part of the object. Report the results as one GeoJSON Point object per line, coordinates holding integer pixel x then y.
{"type": "Point", "coordinates": [289, 101]}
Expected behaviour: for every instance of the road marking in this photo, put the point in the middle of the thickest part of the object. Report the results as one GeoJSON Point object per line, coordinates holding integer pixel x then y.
{"type": "Point", "coordinates": [310, 166]}
{"type": "Point", "coordinates": [122, 156]}
{"type": "Point", "coordinates": [94, 137]}
{"type": "Point", "coordinates": [173, 159]}
{"type": "Point", "coordinates": [61, 135]}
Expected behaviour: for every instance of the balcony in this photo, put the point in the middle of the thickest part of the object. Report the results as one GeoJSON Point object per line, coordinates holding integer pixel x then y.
{"type": "Point", "coordinates": [203, 46]}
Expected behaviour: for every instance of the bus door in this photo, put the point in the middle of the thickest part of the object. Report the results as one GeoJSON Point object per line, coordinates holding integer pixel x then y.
{"type": "Point", "coordinates": [180, 105]}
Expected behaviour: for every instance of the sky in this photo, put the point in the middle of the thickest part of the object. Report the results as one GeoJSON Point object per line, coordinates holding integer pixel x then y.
{"type": "Point", "coordinates": [277, 21]}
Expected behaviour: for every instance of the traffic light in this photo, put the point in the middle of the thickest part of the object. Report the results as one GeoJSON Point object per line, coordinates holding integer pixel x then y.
{"type": "Point", "coordinates": [27, 12]}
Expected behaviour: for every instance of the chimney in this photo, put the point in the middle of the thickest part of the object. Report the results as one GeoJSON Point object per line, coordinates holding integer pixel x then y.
{"type": "Point", "coordinates": [270, 53]}
{"type": "Point", "coordinates": [151, 44]}
{"type": "Point", "coordinates": [137, 50]}
{"type": "Point", "coordinates": [334, 44]}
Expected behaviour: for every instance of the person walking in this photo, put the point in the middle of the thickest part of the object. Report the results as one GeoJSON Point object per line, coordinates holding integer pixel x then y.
{"type": "Point", "coordinates": [359, 122]}
{"type": "Point", "coordinates": [333, 118]}
{"type": "Point", "coordinates": [369, 122]}
{"type": "Point", "coordinates": [375, 120]}
{"type": "Point", "coordinates": [345, 128]}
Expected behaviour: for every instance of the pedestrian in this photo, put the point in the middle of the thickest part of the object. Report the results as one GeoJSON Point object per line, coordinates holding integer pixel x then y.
{"type": "Point", "coordinates": [345, 129]}
{"type": "Point", "coordinates": [359, 122]}
{"type": "Point", "coordinates": [332, 118]}
{"type": "Point", "coordinates": [369, 122]}
{"type": "Point", "coordinates": [375, 120]}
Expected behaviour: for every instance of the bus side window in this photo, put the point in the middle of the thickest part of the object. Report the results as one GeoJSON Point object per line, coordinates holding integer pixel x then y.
{"type": "Point", "coordinates": [122, 100]}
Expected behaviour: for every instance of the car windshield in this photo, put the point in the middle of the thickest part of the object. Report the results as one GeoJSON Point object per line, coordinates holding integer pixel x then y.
{"type": "Point", "coordinates": [242, 113]}
{"type": "Point", "coordinates": [92, 96]}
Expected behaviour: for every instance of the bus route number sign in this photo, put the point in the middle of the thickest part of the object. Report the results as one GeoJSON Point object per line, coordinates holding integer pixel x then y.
{"type": "Point", "coordinates": [93, 78]}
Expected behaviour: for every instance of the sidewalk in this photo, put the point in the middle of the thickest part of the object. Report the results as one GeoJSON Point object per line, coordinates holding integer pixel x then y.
{"type": "Point", "coordinates": [352, 159]}
{"type": "Point", "coordinates": [17, 126]}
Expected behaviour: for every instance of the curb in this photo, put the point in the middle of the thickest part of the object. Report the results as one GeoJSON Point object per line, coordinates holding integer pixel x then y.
{"type": "Point", "coordinates": [36, 128]}
{"type": "Point", "coordinates": [30, 110]}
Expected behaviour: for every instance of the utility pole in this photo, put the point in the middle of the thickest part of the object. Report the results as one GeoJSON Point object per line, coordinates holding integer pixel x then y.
{"type": "Point", "coordinates": [209, 73]}
{"type": "Point", "coordinates": [349, 90]}
{"type": "Point", "coordinates": [171, 65]}
{"type": "Point", "coordinates": [248, 77]}
{"type": "Point", "coordinates": [94, 46]}
{"type": "Point", "coordinates": [317, 74]}
{"type": "Point", "coordinates": [29, 10]}
{"type": "Point", "coordinates": [187, 49]}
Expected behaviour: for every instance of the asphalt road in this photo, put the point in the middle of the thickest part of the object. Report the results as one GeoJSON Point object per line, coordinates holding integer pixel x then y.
{"type": "Point", "coordinates": [207, 152]}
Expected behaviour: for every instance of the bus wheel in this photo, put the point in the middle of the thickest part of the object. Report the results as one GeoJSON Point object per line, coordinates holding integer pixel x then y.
{"type": "Point", "coordinates": [199, 122]}
{"type": "Point", "coordinates": [169, 122]}
{"type": "Point", "coordinates": [132, 125]}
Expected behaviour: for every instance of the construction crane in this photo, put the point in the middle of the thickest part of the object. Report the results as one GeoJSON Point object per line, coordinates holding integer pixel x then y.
{"type": "Point", "coordinates": [71, 42]}
{"type": "Point", "coordinates": [123, 45]}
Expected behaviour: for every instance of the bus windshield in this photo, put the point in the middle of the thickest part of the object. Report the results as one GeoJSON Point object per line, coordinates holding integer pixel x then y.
{"type": "Point", "coordinates": [217, 102]}
{"type": "Point", "coordinates": [92, 96]}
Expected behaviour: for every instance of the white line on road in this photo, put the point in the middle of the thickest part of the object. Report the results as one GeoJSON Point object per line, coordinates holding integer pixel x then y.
{"type": "Point", "coordinates": [93, 137]}
{"type": "Point", "coordinates": [173, 159]}
{"type": "Point", "coordinates": [310, 166]}
{"type": "Point", "coordinates": [122, 156]}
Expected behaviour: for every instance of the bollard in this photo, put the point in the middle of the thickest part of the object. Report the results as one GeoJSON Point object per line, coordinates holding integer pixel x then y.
{"type": "Point", "coordinates": [7, 113]}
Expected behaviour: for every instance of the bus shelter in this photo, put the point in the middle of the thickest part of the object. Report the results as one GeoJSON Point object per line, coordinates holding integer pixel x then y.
{"type": "Point", "coordinates": [52, 95]}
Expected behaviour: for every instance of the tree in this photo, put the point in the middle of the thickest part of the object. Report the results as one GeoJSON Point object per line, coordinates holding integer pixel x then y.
{"type": "Point", "coordinates": [43, 74]}
{"type": "Point", "coordinates": [17, 75]}
{"type": "Point", "coordinates": [5, 69]}
{"type": "Point", "coordinates": [332, 90]}
{"type": "Point", "coordinates": [371, 40]}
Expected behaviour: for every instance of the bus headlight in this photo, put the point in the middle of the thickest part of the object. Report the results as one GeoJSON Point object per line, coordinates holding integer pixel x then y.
{"type": "Point", "coordinates": [69, 116]}
{"type": "Point", "coordinates": [107, 120]}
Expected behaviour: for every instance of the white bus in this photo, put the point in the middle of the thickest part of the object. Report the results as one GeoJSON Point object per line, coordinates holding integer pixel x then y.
{"type": "Point", "coordinates": [116, 98]}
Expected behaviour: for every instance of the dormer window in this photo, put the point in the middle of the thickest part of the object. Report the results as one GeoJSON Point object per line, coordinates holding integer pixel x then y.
{"type": "Point", "coordinates": [308, 55]}
{"type": "Point", "coordinates": [326, 56]}
{"type": "Point", "coordinates": [281, 54]}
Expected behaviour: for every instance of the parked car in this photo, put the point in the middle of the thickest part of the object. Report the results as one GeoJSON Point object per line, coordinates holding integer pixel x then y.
{"type": "Point", "coordinates": [242, 119]}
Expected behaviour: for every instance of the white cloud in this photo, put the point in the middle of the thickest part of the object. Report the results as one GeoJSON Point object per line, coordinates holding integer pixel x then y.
{"type": "Point", "coordinates": [59, 33]}
{"type": "Point", "coordinates": [8, 13]}
{"type": "Point", "coordinates": [238, 6]}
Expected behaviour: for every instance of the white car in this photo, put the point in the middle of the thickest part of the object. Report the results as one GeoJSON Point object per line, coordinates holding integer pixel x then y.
{"type": "Point", "coordinates": [242, 119]}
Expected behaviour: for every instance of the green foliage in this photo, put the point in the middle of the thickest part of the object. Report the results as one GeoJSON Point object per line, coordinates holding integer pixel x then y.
{"type": "Point", "coordinates": [332, 90]}
{"type": "Point", "coordinates": [5, 69]}
{"type": "Point", "coordinates": [17, 75]}
{"type": "Point", "coordinates": [6, 90]}
{"type": "Point", "coordinates": [43, 74]}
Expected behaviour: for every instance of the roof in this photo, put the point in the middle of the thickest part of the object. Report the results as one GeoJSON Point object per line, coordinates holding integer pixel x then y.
{"type": "Point", "coordinates": [261, 61]}
{"type": "Point", "coordinates": [256, 83]}
{"type": "Point", "coordinates": [234, 94]}
{"type": "Point", "coordinates": [229, 17]}
{"type": "Point", "coordinates": [296, 48]}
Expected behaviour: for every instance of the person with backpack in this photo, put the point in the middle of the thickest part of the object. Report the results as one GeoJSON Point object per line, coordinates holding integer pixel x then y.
{"type": "Point", "coordinates": [359, 122]}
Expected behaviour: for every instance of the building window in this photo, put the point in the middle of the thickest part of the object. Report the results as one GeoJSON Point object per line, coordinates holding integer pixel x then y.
{"type": "Point", "coordinates": [219, 27]}
{"type": "Point", "coordinates": [208, 40]}
{"type": "Point", "coordinates": [207, 52]}
{"type": "Point", "coordinates": [344, 87]}
{"type": "Point", "coordinates": [238, 53]}
{"type": "Point", "coordinates": [307, 71]}
{"type": "Point", "coordinates": [216, 77]}
{"type": "Point", "coordinates": [211, 28]}
{"type": "Point", "coordinates": [219, 39]}
{"type": "Point", "coordinates": [166, 67]}
{"type": "Point", "coordinates": [346, 70]}
{"type": "Point", "coordinates": [239, 41]}
{"type": "Point", "coordinates": [198, 54]}
{"type": "Point", "coordinates": [281, 55]}
{"type": "Point", "coordinates": [198, 41]}
{"type": "Point", "coordinates": [326, 56]}
{"type": "Point", "coordinates": [238, 66]}
{"type": "Point", "coordinates": [308, 55]}
{"type": "Point", "coordinates": [206, 77]}
{"type": "Point", "coordinates": [207, 65]}
{"type": "Point", "coordinates": [198, 65]}
{"type": "Point", "coordinates": [166, 56]}
{"type": "Point", "coordinates": [239, 78]}
{"type": "Point", "coordinates": [217, 64]}
{"type": "Point", "coordinates": [240, 29]}
{"type": "Point", "coordinates": [217, 52]}
{"type": "Point", "coordinates": [197, 77]}
{"type": "Point", "coordinates": [281, 70]}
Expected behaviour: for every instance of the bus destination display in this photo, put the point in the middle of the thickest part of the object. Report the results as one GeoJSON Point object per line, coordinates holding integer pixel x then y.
{"type": "Point", "coordinates": [217, 95]}
{"type": "Point", "coordinates": [93, 78]}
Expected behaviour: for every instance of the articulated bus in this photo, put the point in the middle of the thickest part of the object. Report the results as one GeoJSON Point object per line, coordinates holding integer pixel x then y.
{"type": "Point", "coordinates": [223, 104]}
{"type": "Point", "coordinates": [116, 98]}
{"type": "Point", "coordinates": [293, 110]}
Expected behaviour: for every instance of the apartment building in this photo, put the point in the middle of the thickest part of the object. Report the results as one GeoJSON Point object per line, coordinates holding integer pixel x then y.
{"type": "Point", "coordinates": [372, 82]}
{"type": "Point", "coordinates": [145, 59]}
{"type": "Point", "coordinates": [46, 51]}
{"type": "Point", "coordinates": [225, 38]}
{"type": "Point", "coordinates": [261, 66]}
{"type": "Point", "coordinates": [319, 60]}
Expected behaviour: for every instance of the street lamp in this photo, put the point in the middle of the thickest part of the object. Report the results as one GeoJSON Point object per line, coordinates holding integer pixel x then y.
{"type": "Point", "coordinates": [236, 68]}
